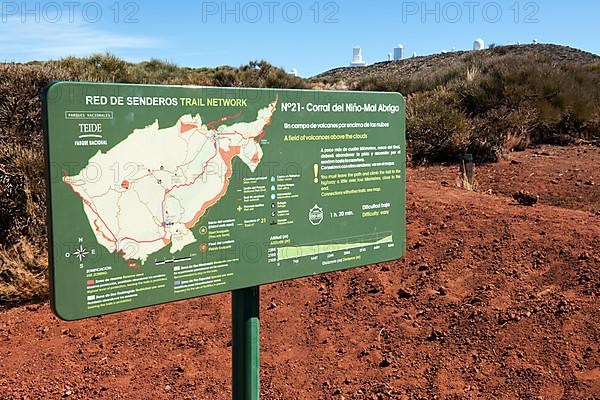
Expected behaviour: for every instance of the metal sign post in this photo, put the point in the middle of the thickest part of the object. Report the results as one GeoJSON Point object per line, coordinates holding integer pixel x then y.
{"type": "Point", "coordinates": [246, 343]}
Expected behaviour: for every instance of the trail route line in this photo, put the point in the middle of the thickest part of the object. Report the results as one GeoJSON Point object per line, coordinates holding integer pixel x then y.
{"type": "Point", "coordinates": [156, 184]}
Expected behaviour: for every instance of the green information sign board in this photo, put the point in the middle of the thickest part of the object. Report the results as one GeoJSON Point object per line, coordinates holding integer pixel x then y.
{"type": "Point", "coordinates": [163, 193]}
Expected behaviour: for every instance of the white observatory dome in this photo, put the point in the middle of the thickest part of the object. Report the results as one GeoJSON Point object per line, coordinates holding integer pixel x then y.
{"type": "Point", "coordinates": [478, 44]}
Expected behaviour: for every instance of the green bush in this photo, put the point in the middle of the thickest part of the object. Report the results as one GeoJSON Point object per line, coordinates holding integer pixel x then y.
{"type": "Point", "coordinates": [436, 129]}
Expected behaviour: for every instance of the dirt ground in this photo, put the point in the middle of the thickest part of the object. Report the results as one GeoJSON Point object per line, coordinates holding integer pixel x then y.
{"type": "Point", "coordinates": [493, 301]}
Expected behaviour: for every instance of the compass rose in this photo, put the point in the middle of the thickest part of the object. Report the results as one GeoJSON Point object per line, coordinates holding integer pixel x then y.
{"type": "Point", "coordinates": [81, 253]}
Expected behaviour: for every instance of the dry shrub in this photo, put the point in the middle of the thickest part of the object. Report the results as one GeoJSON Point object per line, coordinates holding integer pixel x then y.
{"type": "Point", "coordinates": [257, 74]}
{"type": "Point", "coordinates": [472, 73]}
{"type": "Point", "coordinates": [22, 196]}
{"type": "Point", "coordinates": [521, 100]}
{"type": "Point", "coordinates": [463, 182]}
{"type": "Point", "coordinates": [20, 103]}
{"type": "Point", "coordinates": [516, 142]}
{"type": "Point", "coordinates": [23, 274]}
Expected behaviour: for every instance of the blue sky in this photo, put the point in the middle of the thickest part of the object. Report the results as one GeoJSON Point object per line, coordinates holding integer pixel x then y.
{"type": "Point", "coordinates": [311, 36]}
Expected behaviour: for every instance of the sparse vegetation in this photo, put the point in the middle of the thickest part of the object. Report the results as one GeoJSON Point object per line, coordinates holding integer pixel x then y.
{"type": "Point", "coordinates": [23, 273]}
{"type": "Point", "coordinates": [492, 102]}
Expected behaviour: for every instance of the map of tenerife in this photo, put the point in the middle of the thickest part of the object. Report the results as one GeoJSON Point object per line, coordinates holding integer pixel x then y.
{"type": "Point", "coordinates": [169, 178]}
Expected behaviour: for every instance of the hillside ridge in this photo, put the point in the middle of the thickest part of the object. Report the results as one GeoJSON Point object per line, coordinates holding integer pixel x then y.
{"type": "Point", "coordinates": [554, 53]}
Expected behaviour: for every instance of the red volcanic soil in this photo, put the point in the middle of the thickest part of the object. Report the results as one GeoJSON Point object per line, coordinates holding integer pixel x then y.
{"type": "Point", "coordinates": [493, 301]}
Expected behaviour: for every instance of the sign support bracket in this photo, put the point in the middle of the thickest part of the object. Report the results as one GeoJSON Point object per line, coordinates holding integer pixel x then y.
{"type": "Point", "coordinates": [245, 343]}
